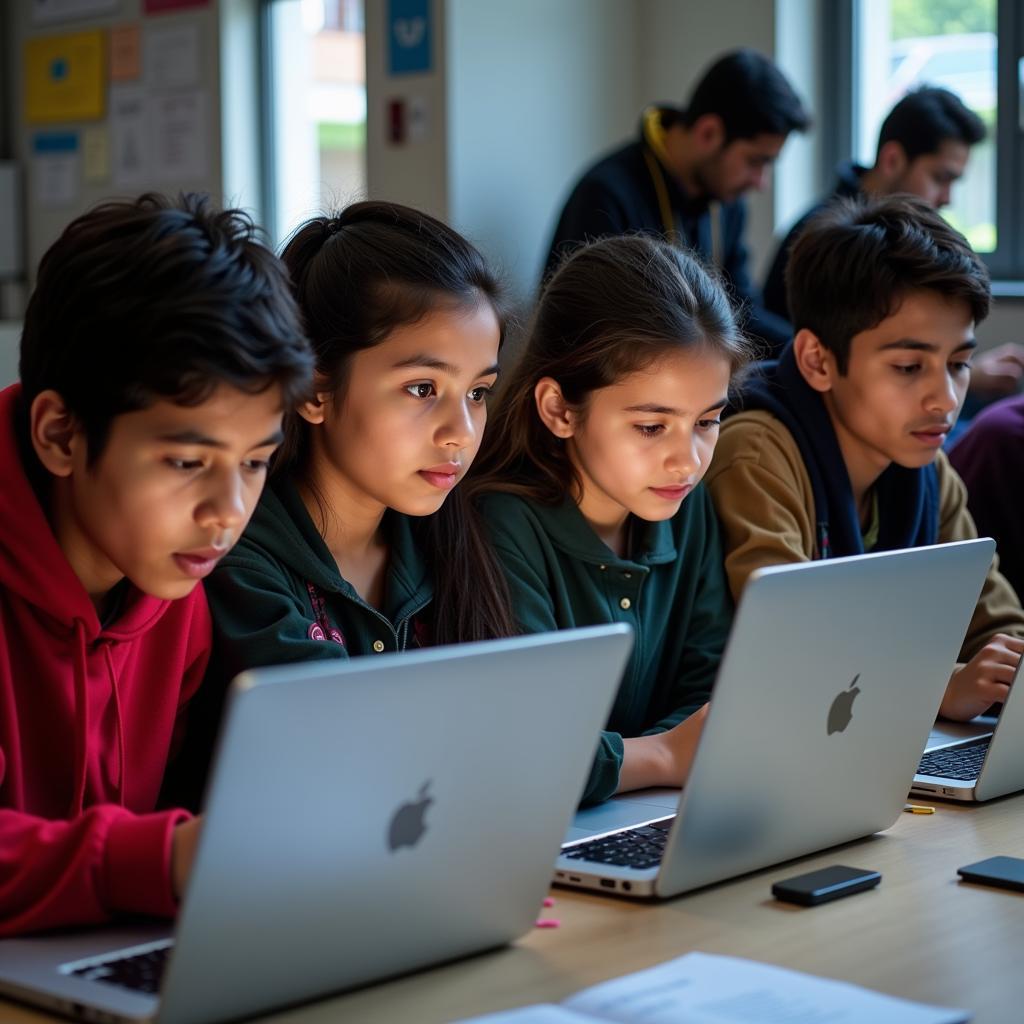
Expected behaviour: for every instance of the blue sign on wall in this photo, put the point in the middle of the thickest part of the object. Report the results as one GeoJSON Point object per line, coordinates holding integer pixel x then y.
{"type": "Point", "coordinates": [409, 36]}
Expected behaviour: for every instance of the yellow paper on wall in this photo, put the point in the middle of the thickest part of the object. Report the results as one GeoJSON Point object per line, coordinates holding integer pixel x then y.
{"type": "Point", "coordinates": [64, 77]}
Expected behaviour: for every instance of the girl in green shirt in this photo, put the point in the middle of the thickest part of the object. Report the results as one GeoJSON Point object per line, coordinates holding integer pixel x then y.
{"type": "Point", "coordinates": [362, 542]}
{"type": "Point", "coordinates": [589, 482]}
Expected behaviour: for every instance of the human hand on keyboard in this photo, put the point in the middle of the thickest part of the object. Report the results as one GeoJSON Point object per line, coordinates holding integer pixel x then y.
{"type": "Point", "coordinates": [985, 680]}
{"type": "Point", "coordinates": [184, 840]}
{"type": "Point", "coordinates": [661, 759]}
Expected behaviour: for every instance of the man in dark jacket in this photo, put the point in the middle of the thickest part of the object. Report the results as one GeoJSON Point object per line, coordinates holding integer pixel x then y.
{"type": "Point", "coordinates": [685, 175]}
{"type": "Point", "coordinates": [923, 148]}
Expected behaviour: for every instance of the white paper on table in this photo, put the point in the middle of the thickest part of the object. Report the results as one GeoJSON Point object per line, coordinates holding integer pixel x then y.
{"type": "Point", "coordinates": [170, 57]}
{"type": "Point", "coordinates": [701, 988]}
{"type": "Point", "coordinates": [129, 136]}
{"type": "Point", "coordinates": [178, 123]}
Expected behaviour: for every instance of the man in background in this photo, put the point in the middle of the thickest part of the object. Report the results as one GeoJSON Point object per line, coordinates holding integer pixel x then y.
{"type": "Point", "coordinates": [685, 176]}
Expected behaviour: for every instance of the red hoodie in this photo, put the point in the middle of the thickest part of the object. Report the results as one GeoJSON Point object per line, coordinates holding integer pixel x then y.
{"type": "Point", "coordinates": [89, 716]}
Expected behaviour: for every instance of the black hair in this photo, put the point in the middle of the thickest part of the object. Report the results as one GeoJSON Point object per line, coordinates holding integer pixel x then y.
{"type": "Point", "coordinates": [855, 262]}
{"type": "Point", "coordinates": [751, 96]}
{"type": "Point", "coordinates": [612, 308]}
{"type": "Point", "coordinates": [927, 117]}
{"type": "Point", "coordinates": [156, 299]}
{"type": "Point", "coordinates": [358, 276]}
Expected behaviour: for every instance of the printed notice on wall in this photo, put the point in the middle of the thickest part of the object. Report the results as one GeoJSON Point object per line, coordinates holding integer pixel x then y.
{"type": "Point", "coordinates": [44, 11]}
{"type": "Point", "coordinates": [179, 135]}
{"type": "Point", "coordinates": [409, 37]}
{"type": "Point", "coordinates": [171, 58]}
{"type": "Point", "coordinates": [125, 53]}
{"type": "Point", "coordinates": [129, 137]}
{"type": "Point", "coordinates": [56, 168]}
{"type": "Point", "coordinates": [96, 153]}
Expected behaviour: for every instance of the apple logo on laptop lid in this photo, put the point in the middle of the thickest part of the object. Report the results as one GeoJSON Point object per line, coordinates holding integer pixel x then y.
{"type": "Point", "coordinates": [841, 712]}
{"type": "Point", "coordinates": [407, 824]}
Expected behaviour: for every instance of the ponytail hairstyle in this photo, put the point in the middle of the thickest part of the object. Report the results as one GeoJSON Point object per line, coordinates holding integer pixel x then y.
{"type": "Point", "coordinates": [358, 276]}
{"type": "Point", "coordinates": [611, 309]}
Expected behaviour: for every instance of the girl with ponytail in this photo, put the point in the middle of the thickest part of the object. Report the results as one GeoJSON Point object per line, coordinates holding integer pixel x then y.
{"type": "Point", "coordinates": [363, 542]}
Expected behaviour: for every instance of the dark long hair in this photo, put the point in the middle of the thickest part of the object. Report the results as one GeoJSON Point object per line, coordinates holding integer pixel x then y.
{"type": "Point", "coordinates": [856, 261]}
{"type": "Point", "coordinates": [357, 277]}
{"type": "Point", "coordinates": [611, 309]}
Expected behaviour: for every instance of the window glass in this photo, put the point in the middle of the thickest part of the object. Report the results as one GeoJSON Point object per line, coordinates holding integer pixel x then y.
{"type": "Point", "coordinates": [949, 43]}
{"type": "Point", "coordinates": [318, 93]}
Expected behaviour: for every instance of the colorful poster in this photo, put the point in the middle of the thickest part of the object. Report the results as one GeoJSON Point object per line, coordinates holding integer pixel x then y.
{"type": "Point", "coordinates": [163, 6]}
{"type": "Point", "coordinates": [64, 77]}
{"type": "Point", "coordinates": [125, 53]}
{"type": "Point", "coordinates": [409, 42]}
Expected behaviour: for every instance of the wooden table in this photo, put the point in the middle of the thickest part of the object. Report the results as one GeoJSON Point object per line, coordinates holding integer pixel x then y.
{"type": "Point", "coordinates": [921, 934]}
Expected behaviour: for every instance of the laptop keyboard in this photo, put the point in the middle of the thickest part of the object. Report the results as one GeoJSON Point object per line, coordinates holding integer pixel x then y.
{"type": "Point", "coordinates": [641, 847]}
{"type": "Point", "coordinates": [963, 762]}
{"type": "Point", "coordinates": [141, 971]}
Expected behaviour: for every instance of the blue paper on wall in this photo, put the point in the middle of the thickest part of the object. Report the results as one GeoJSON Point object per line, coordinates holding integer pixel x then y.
{"type": "Point", "coordinates": [409, 37]}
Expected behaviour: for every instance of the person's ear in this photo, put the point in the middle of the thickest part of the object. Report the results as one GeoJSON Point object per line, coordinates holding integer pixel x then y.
{"type": "Point", "coordinates": [55, 433]}
{"type": "Point", "coordinates": [555, 413]}
{"type": "Point", "coordinates": [816, 363]}
{"type": "Point", "coordinates": [708, 132]}
{"type": "Point", "coordinates": [314, 410]}
{"type": "Point", "coordinates": [891, 161]}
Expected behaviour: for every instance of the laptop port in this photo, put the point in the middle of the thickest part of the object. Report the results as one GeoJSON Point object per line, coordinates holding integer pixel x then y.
{"type": "Point", "coordinates": [627, 886]}
{"type": "Point", "coordinates": [608, 883]}
{"type": "Point", "coordinates": [575, 878]}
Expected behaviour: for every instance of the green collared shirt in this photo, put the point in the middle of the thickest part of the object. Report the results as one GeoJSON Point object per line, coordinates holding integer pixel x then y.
{"type": "Point", "coordinates": [672, 591]}
{"type": "Point", "coordinates": [278, 597]}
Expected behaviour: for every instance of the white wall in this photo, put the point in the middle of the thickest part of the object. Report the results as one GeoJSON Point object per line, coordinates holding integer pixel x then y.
{"type": "Point", "coordinates": [536, 91]}
{"type": "Point", "coordinates": [797, 176]}
{"type": "Point", "coordinates": [415, 173]}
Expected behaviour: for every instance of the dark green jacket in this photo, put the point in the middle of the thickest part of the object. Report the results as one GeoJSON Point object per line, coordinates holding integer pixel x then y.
{"type": "Point", "coordinates": [278, 597]}
{"type": "Point", "coordinates": [262, 599]}
{"type": "Point", "coordinates": [672, 592]}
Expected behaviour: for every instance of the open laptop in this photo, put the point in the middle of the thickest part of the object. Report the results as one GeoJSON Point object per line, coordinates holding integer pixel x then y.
{"type": "Point", "coordinates": [364, 819]}
{"type": "Point", "coordinates": [976, 760]}
{"type": "Point", "coordinates": [830, 682]}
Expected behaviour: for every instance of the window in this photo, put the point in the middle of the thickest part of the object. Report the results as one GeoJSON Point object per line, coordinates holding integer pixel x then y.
{"type": "Point", "coordinates": [314, 88]}
{"type": "Point", "coordinates": [950, 43]}
{"type": "Point", "coordinates": [884, 48]}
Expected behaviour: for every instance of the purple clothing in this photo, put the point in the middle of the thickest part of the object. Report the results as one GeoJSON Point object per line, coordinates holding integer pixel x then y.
{"type": "Point", "coordinates": [990, 459]}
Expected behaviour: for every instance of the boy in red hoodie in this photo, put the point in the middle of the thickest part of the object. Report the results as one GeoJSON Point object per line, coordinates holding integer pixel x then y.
{"type": "Point", "coordinates": [160, 349]}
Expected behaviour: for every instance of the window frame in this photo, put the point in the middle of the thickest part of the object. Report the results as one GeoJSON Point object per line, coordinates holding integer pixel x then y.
{"type": "Point", "coordinates": [841, 129]}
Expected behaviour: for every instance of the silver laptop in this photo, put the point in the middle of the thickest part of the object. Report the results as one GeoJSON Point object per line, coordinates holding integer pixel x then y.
{"type": "Point", "coordinates": [830, 682]}
{"type": "Point", "coordinates": [364, 819]}
{"type": "Point", "coordinates": [976, 760]}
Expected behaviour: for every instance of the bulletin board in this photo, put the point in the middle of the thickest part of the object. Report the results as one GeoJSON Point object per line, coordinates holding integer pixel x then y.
{"type": "Point", "coordinates": [118, 97]}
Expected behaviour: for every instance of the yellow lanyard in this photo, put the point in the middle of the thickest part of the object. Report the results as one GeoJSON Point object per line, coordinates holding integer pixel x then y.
{"type": "Point", "coordinates": [673, 229]}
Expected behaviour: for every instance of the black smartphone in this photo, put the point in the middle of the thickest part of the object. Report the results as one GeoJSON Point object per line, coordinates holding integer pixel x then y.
{"type": "Point", "coordinates": [827, 884]}
{"type": "Point", "coordinates": [1004, 872]}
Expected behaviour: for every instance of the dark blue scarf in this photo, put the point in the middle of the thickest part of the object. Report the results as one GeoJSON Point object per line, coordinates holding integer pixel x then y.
{"type": "Point", "coordinates": [908, 499]}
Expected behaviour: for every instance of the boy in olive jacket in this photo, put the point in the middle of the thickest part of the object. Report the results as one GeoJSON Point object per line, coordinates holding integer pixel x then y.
{"type": "Point", "coordinates": [837, 449]}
